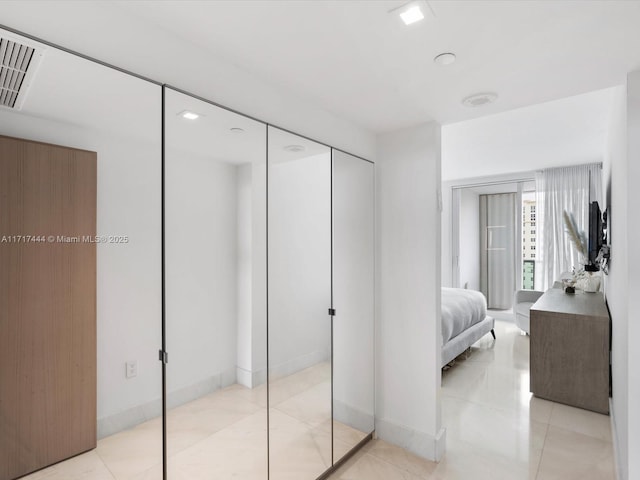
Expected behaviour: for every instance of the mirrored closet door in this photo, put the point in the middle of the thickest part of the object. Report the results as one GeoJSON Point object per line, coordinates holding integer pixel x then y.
{"type": "Point", "coordinates": [242, 250]}
{"type": "Point", "coordinates": [353, 298]}
{"type": "Point", "coordinates": [215, 234]}
{"type": "Point", "coordinates": [80, 381]}
{"type": "Point", "coordinates": [300, 441]}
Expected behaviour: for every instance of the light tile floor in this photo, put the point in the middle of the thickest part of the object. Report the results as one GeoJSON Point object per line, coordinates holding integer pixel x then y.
{"type": "Point", "coordinates": [495, 430]}
{"type": "Point", "coordinates": [224, 435]}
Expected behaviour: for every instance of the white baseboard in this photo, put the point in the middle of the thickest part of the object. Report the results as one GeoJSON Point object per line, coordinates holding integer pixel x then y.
{"type": "Point", "coordinates": [251, 379]}
{"type": "Point", "coordinates": [353, 417]}
{"type": "Point", "coordinates": [431, 447]}
{"type": "Point", "coordinates": [288, 367]}
{"type": "Point", "coordinates": [131, 417]}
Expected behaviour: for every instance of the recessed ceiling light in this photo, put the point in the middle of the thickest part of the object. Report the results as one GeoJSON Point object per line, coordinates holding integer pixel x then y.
{"type": "Point", "coordinates": [237, 130]}
{"type": "Point", "coordinates": [189, 115]}
{"type": "Point", "coordinates": [411, 15]}
{"type": "Point", "coordinates": [445, 59]}
{"type": "Point", "coordinates": [479, 99]}
{"type": "Point", "coordinates": [294, 148]}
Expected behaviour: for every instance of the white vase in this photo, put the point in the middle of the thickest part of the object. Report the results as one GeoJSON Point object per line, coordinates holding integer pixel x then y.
{"type": "Point", "coordinates": [591, 283]}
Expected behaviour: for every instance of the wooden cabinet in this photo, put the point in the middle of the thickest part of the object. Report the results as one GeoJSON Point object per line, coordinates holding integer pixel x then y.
{"type": "Point", "coordinates": [47, 305]}
{"type": "Point", "coordinates": [570, 349]}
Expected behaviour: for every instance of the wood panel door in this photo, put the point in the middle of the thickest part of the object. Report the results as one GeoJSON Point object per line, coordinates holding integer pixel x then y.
{"type": "Point", "coordinates": [47, 304]}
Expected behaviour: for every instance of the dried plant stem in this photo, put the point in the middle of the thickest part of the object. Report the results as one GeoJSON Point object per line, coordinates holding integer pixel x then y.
{"type": "Point", "coordinates": [577, 237]}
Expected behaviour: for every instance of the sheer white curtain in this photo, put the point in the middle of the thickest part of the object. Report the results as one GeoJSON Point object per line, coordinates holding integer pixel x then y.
{"type": "Point", "coordinates": [557, 190]}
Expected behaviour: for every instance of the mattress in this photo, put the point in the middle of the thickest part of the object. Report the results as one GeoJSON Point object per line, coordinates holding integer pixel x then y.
{"type": "Point", "coordinates": [461, 309]}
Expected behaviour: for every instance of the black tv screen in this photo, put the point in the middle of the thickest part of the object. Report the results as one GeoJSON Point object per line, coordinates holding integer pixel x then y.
{"type": "Point", "coordinates": [595, 234]}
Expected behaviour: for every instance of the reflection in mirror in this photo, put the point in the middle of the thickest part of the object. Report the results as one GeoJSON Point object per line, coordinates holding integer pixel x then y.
{"type": "Point", "coordinates": [299, 298]}
{"type": "Point", "coordinates": [353, 292]}
{"type": "Point", "coordinates": [88, 311]}
{"type": "Point", "coordinates": [215, 192]}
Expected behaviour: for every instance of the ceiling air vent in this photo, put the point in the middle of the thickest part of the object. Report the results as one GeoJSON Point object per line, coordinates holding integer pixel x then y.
{"type": "Point", "coordinates": [18, 62]}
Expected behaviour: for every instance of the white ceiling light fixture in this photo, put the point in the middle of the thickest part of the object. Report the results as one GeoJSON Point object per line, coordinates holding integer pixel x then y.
{"type": "Point", "coordinates": [479, 99]}
{"type": "Point", "coordinates": [189, 115]}
{"type": "Point", "coordinates": [445, 59]}
{"type": "Point", "coordinates": [294, 148]}
{"type": "Point", "coordinates": [411, 15]}
{"type": "Point", "coordinates": [413, 11]}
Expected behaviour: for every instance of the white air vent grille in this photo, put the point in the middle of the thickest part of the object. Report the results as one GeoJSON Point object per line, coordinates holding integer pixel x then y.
{"type": "Point", "coordinates": [15, 59]}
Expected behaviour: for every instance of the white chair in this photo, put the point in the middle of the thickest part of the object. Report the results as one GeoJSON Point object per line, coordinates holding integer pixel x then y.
{"type": "Point", "coordinates": [523, 301]}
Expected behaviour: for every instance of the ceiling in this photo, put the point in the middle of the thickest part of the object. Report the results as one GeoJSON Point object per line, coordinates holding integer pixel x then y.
{"type": "Point", "coordinates": [362, 63]}
{"type": "Point", "coordinates": [552, 64]}
{"type": "Point", "coordinates": [69, 90]}
{"type": "Point", "coordinates": [210, 136]}
{"type": "Point", "coordinates": [563, 132]}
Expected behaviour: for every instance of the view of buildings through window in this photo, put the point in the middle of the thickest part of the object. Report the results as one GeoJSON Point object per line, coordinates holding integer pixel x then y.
{"type": "Point", "coordinates": [528, 240]}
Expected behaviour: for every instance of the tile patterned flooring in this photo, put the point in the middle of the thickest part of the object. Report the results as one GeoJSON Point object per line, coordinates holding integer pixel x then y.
{"type": "Point", "coordinates": [223, 435]}
{"type": "Point", "coordinates": [495, 430]}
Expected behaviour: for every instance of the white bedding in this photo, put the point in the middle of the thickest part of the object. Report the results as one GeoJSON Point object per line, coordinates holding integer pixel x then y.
{"type": "Point", "coordinates": [460, 310]}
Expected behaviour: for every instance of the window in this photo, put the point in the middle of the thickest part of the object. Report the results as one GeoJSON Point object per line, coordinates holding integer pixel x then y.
{"type": "Point", "coordinates": [533, 239]}
{"type": "Point", "coordinates": [533, 232]}
{"type": "Point", "coordinates": [533, 209]}
{"type": "Point", "coordinates": [533, 255]}
{"type": "Point", "coordinates": [533, 247]}
{"type": "Point", "coordinates": [533, 224]}
{"type": "Point", "coordinates": [528, 274]}
{"type": "Point", "coordinates": [533, 217]}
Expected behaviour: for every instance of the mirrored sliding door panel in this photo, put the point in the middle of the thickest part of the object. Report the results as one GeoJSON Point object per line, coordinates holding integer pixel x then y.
{"type": "Point", "coordinates": [79, 322]}
{"type": "Point", "coordinates": [353, 295]}
{"type": "Point", "coordinates": [300, 442]}
{"type": "Point", "coordinates": [215, 211]}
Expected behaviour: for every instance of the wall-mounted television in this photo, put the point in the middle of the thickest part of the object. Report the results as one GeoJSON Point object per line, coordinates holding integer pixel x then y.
{"type": "Point", "coordinates": [596, 236]}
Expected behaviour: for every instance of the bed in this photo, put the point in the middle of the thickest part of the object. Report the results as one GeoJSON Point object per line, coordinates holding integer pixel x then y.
{"type": "Point", "coordinates": [464, 321]}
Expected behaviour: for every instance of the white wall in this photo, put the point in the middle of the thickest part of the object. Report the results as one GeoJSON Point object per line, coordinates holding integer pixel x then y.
{"type": "Point", "coordinates": [633, 260]}
{"type": "Point", "coordinates": [408, 290]}
{"type": "Point", "coordinates": [621, 172]}
{"type": "Point", "coordinates": [446, 227]}
{"type": "Point", "coordinates": [259, 271]}
{"type": "Point", "coordinates": [244, 277]}
{"type": "Point", "coordinates": [251, 295]}
{"type": "Point", "coordinates": [201, 273]}
{"type": "Point", "coordinates": [299, 263]}
{"type": "Point", "coordinates": [128, 283]}
{"type": "Point", "coordinates": [614, 172]}
{"type": "Point", "coordinates": [469, 239]}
